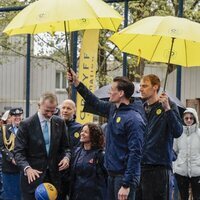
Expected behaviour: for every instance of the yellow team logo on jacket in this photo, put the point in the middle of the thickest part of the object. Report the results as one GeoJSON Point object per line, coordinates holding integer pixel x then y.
{"type": "Point", "coordinates": [158, 111]}
{"type": "Point", "coordinates": [118, 119]}
{"type": "Point", "coordinates": [76, 135]}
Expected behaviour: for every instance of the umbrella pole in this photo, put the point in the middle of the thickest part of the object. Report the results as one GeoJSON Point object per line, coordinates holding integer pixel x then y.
{"type": "Point", "coordinates": [168, 63]}
{"type": "Point", "coordinates": [68, 61]}
{"type": "Point", "coordinates": [66, 48]}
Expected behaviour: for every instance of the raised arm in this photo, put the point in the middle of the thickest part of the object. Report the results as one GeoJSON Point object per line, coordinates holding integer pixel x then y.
{"type": "Point", "coordinates": [102, 107]}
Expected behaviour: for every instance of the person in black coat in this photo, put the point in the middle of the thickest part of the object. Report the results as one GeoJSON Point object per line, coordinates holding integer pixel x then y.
{"type": "Point", "coordinates": [89, 176]}
{"type": "Point", "coordinates": [67, 112]}
{"type": "Point", "coordinates": [163, 125]}
{"type": "Point", "coordinates": [11, 173]}
{"type": "Point", "coordinates": [42, 148]}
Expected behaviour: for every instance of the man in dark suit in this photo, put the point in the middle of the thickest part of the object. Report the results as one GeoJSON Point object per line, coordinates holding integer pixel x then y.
{"type": "Point", "coordinates": [11, 173]}
{"type": "Point", "coordinates": [42, 147]}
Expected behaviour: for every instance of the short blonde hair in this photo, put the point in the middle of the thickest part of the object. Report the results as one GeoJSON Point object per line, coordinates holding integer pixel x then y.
{"type": "Point", "coordinates": [153, 79]}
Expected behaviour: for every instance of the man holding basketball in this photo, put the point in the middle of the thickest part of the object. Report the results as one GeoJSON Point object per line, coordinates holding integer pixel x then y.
{"type": "Point", "coordinates": [42, 147]}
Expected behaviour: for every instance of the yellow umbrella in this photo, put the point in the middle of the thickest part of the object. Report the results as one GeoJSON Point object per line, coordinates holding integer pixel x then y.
{"type": "Point", "coordinates": [162, 39]}
{"type": "Point", "coordinates": [64, 15]}
{"type": "Point", "coordinates": [60, 15]}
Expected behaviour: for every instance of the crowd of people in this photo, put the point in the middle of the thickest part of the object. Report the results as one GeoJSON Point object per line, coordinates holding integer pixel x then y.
{"type": "Point", "coordinates": [129, 159]}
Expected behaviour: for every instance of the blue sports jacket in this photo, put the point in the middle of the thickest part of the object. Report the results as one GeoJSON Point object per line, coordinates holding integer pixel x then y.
{"type": "Point", "coordinates": [124, 137]}
{"type": "Point", "coordinates": [162, 128]}
{"type": "Point", "coordinates": [74, 129]}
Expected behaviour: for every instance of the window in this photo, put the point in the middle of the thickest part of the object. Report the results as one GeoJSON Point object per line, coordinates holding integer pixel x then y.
{"type": "Point", "coordinates": [61, 80]}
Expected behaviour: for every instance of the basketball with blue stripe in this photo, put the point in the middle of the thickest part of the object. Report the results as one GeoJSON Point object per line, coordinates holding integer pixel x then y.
{"type": "Point", "coordinates": [46, 191]}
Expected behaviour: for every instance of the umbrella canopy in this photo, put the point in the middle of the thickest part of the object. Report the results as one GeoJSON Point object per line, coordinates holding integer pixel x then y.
{"type": "Point", "coordinates": [103, 93]}
{"type": "Point", "coordinates": [162, 39]}
{"type": "Point", "coordinates": [151, 38]}
{"type": "Point", "coordinates": [64, 15]}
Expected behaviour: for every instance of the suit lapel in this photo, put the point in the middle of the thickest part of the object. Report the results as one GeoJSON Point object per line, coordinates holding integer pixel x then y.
{"type": "Point", "coordinates": [37, 125]}
{"type": "Point", "coordinates": [54, 132]}
{"type": "Point", "coordinates": [38, 129]}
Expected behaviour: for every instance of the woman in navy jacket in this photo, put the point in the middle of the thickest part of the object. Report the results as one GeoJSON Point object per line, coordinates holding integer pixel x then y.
{"type": "Point", "coordinates": [88, 172]}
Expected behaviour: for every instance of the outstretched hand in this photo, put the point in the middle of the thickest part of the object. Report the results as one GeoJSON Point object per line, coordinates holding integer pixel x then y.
{"type": "Point", "coordinates": [32, 174]}
{"type": "Point", "coordinates": [72, 77]}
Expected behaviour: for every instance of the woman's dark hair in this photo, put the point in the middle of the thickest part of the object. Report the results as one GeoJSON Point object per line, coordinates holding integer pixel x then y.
{"type": "Point", "coordinates": [123, 83]}
{"type": "Point", "coordinates": [96, 135]}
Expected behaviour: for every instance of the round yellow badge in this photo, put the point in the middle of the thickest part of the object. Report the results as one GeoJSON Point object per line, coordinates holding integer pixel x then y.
{"type": "Point", "coordinates": [158, 112]}
{"type": "Point", "coordinates": [76, 135]}
{"type": "Point", "coordinates": [118, 119]}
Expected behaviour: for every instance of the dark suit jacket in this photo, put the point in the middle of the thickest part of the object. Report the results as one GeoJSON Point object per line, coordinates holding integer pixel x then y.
{"type": "Point", "coordinates": [7, 156]}
{"type": "Point", "coordinates": [30, 150]}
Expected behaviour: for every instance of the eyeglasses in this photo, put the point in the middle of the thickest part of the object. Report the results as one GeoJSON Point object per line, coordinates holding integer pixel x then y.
{"type": "Point", "coordinates": [189, 118]}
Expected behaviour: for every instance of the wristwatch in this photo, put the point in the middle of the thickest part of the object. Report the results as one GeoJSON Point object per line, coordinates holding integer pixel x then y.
{"type": "Point", "coordinates": [125, 185]}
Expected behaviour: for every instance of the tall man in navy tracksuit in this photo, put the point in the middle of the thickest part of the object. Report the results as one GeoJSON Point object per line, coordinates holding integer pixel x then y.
{"type": "Point", "coordinates": [164, 124]}
{"type": "Point", "coordinates": [124, 136]}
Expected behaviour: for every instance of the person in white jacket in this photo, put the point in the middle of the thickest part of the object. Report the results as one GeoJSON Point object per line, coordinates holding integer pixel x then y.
{"type": "Point", "coordinates": [187, 148]}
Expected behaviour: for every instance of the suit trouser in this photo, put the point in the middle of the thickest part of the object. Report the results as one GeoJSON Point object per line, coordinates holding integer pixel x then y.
{"type": "Point", "coordinates": [183, 183]}
{"type": "Point", "coordinates": [27, 195]}
{"type": "Point", "coordinates": [155, 182]}
{"type": "Point", "coordinates": [114, 184]}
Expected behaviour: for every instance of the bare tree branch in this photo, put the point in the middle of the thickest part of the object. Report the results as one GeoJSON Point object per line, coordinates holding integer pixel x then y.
{"type": "Point", "coordinates": [105, 58]}
{"type": "Point", "coordinates": [37, 57]}
{"type": "Point", "coordinates": [194, 4]}
{"type": "Point", "coordinates": [51, 59]}
{"type": "Point", "coordinates": [173, 3]}
{"type": "Point", "coordinates": [50, 44]}
{"type": "Point", "coordinates": [12, 50]}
